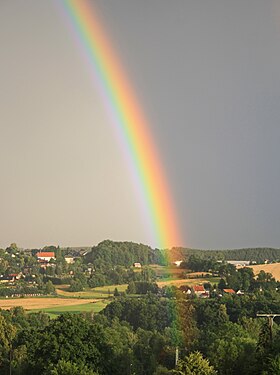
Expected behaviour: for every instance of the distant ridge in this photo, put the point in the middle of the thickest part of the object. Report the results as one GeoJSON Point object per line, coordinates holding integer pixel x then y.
{"type": "Point", "coordinates": [258, 254]}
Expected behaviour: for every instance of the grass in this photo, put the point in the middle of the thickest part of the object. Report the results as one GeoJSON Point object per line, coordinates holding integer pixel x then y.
{"type": "Point", "coordinates": [54, 312]}
{"type": "Point", "coordinates": [102, 292]}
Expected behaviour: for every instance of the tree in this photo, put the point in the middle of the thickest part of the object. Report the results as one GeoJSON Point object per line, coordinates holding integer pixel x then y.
{"type": "Point", "coordinates": [131, 289]}
{"type": "Point", "coordinates": [75, 286]}
{"type": "Point", "coordinates": [69, 368]}
{"type": "Point", "coordinates": [7, 334]}
{"type": "Point", "coordinates": [12, 249]}
{"type": "Point", "coordinates": [49, 287]}
{"type": "Point", "coordinates": [231, 350]}
{"type": "Point", "coordinates": [222, 284]}
{"type": "Point", "coordinates": [194, 364]}
{"type": "Point", "coordinates": [161, 371]}
{"type": "Point", "coordinates": [274, 366]}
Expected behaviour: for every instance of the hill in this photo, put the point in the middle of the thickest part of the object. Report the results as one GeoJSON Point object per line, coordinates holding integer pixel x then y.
{"type": "Point", "coordinates": [112, 253]}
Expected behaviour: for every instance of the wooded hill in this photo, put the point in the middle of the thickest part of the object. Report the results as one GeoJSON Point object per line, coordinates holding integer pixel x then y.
{"type": "Point", "coordinates": [112, 253]}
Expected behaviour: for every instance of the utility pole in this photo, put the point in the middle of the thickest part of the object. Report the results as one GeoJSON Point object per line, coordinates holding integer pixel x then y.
{"type": "Point", "coordinates": [176, 356]}
{"type": "Point", "coordinates": [270, 321]}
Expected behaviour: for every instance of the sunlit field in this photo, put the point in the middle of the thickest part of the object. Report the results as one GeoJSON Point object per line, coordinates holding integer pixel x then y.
{"type": "Point", "coordinates": [273, 268]}
{"type": "Point", "coordinates": [41, 303]}
{"type": "Point", "coordinates": [91, 307]}
{"type": "Point", "coordinates": [97, 293]}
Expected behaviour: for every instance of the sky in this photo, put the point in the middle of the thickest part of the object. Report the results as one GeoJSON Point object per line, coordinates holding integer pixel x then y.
{"type": "Point", "coordinates": [206, 74]}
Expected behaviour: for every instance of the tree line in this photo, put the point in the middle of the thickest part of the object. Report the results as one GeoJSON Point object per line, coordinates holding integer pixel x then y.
{"type": "Point", "coordinates": [140, 336]}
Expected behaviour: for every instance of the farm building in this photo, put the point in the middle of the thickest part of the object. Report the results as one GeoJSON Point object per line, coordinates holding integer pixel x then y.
{"type": "Point", "coordinates": [69, 260]}
{"type": "Point", "coordinates": [137, 265]}
{"type": "Point", "coordinates": [239, 263]}
{"type": "Point", "coordinates": [229, 291]}
{"type": "Point", "coordinates": [47, 256]}
{"type": "Point", "coordinates": [200, 291]}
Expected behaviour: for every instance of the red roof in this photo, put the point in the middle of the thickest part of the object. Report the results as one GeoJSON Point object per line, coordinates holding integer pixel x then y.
{"type": "Point", "coordinates": [198, 288]}
{"type": "Point", "coordinates": [46, 254]}
{"type": "Point", "coordinates": [231, 291]}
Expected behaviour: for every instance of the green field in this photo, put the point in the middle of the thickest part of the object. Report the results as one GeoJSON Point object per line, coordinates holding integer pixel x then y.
{"type": "Point", "coordinates": [101, 292]}
{"type": "Point", "coordinates": [53, 312]}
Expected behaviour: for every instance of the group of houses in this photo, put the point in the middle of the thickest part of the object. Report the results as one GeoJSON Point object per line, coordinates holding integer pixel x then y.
{"type": "Point", "coordinates": [45, 258]}
{"type": "Point", "coordinates": [200, 292]}
{"type": "Point", "coordinates": [11, 278]}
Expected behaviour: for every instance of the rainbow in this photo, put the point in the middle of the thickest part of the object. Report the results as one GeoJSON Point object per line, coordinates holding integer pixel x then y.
{"type": "Point", "coordinates": [128, 119]}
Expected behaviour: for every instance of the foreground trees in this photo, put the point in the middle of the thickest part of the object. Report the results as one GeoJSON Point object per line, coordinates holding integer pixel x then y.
{"type": "Point", "coordinates": [194, 364]}
{"type": "Point", "coordinates": [139, 336]}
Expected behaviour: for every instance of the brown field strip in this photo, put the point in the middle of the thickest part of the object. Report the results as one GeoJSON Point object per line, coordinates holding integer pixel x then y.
{"type": "Point", "coordinates": [42, 303]}
{"type": "Point", "coordinates": [273, 268]}
{"type": "Point", "coordinates": [189, 282]}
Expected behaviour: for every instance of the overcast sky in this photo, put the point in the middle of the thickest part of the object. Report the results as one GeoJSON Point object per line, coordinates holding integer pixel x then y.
{"type": "Point", "coordinates": [206, 73]}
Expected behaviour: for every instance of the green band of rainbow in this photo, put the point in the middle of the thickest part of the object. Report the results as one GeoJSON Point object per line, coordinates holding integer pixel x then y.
{"type": "Point", "coordinates": [129, 119]}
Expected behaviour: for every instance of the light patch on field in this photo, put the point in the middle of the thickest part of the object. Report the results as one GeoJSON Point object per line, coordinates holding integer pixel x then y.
{"type": "Point", "coordinates": [274, 269]}
{"type": "Point", "coordinates": [97, 293]}
{"type": "Point", "coordinates": [41, 303]}
{"type": "Point", "coordinates": [180, 282]}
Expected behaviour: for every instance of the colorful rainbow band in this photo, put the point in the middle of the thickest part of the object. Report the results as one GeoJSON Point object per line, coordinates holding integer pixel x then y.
{"type": "Point", "coordinates": [129, 120]}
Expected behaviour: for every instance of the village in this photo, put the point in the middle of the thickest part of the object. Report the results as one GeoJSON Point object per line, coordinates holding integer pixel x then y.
{"type": "Point", "coordinates": [34, 273]}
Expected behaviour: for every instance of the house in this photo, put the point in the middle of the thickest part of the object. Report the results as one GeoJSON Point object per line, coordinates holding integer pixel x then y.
{"type": "Point", "coordinates": [178, 263]}
{"type": "Point", "coordinates": [200, 291]}
{"type": "Point", "coordinates": [45, 255]}
{"type": "Point", "coordinates": [69, 260]}
{"type": "Point", "coordinates": [229, 291]}
{"type": "Point", "coordinates": [15, 276]}
{"type": "Point", "coordinates": [239, 263]}
{"type": "Point", "coordinates": [185, 289]}
{"type": "Point", "coordinates": [137, 265]}
{"type": "Point", "coordinates": [240, 292]}
{"type": "Point", "coordinates": [205, 295]}
{"type": "Point", "coordinates": [6, 279]}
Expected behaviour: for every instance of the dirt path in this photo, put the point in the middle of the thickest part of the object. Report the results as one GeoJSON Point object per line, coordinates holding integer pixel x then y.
{"type": "Point", "coordinates": [182, 282]}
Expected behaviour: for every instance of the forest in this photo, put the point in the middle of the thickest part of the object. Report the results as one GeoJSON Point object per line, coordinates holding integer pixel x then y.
{"type": "Point", "coordinates": [141, 335]}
